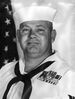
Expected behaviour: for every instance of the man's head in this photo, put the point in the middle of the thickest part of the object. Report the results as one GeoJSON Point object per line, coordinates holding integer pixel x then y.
{"type": "Point", "coordinates": [34, 25]}
{"type": "Point", "coordinates": [36, 37]}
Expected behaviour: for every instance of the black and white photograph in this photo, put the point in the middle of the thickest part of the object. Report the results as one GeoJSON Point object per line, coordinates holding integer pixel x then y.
{"type": "Point", "coordinates": [37, 49]}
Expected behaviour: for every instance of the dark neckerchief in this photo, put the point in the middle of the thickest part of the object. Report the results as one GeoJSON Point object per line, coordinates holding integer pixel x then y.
{"type": "Point", "coordinates": [25, 79]}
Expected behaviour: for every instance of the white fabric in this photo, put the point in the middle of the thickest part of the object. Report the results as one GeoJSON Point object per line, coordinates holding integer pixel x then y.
{"type": "Point", "coordinates": [24, 13]}
{"type": "Point", "coordinates": [40, 89]}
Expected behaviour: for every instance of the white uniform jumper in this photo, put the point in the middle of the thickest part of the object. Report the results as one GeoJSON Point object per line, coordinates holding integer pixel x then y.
{"type": "Point", "coordinates": [55, 82]}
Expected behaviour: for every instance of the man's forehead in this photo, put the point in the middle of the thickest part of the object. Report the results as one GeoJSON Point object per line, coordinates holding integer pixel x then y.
{"type": "Point", "coordinates": [37, 23]}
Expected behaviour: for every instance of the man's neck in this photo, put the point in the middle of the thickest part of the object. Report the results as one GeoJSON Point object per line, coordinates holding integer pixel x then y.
{"type": "Point", "coordinates": [32, 63]}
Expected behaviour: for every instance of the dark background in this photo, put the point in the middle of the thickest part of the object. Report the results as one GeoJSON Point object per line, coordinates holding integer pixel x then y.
{"type": "Point", "coordinates": [8, 49]}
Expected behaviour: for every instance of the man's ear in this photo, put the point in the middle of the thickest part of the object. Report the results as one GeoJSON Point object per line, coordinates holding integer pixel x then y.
{"type": "Point", "coordinates": [53, 35]}
{"type": "Point", "coordinates": [18, 35]}
{"type": "Point", "coordinates": [19, 49]}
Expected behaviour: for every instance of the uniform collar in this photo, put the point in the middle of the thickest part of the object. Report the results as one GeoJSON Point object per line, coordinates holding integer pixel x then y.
{"type": "Point", "coordinates": [22, 64]}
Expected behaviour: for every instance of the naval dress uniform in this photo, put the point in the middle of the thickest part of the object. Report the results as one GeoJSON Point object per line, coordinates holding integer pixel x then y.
{"type": "Point", "coordinates": [53, 79]}
{"type": "Point", "coordinates": [57, 81]}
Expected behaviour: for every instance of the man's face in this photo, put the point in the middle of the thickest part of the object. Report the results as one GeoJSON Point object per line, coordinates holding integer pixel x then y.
{"type": "Point", "coordinates": [35, 38]}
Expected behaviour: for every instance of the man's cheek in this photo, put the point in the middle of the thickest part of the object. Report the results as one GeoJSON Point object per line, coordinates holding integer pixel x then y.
{"type": "Point", "coordinates": [43, 41]}
{"type": "Point", "coordinates": [24, 41]}
{"type": "Point", "coordinates": [24, 38]}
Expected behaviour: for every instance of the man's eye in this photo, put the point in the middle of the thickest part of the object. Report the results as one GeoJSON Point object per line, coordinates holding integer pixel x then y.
{"type": "Point", "coordinates": [40, 30]}
{"type": "Point", "coordinates": [24, 31]}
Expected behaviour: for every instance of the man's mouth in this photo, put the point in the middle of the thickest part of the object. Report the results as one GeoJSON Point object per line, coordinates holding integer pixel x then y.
{"type": "Point", "coordinates": [32, 42]}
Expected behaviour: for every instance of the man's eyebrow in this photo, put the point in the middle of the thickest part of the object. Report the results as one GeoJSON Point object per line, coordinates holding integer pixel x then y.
{"type": "Point", "coordinates": [23, 25]}
{"type": "Point", "coordinates": [40, 26]}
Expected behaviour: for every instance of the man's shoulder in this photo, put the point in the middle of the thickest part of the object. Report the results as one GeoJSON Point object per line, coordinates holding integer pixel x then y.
{"type": "Point", "coordinates": [6, 74]}
{"type": "Point", "coordinates": [68, 82]}
{"type": "Point", "coordinates": [8, 68]}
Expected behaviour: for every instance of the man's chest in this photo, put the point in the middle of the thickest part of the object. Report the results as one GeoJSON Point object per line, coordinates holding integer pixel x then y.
{"type": "Point", "coordinates": [42, 90]}
{"type": "Point", "coordinates": [45, 86]}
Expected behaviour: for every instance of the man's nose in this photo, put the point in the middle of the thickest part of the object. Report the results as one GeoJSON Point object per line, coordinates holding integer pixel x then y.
{"type": "Point", "coordinates": [32, 34]}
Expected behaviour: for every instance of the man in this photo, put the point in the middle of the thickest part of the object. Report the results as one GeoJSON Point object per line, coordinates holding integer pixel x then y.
{"type": "Point", "coordinates": [40, 73]}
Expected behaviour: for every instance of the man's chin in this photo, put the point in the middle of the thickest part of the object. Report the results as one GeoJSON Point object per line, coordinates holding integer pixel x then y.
{"type": "Point", "coordinates": [33, 50]}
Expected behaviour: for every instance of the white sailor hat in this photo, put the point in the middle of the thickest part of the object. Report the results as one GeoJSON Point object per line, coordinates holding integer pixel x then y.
{"type": "Point", "coordinates": [22, 13]}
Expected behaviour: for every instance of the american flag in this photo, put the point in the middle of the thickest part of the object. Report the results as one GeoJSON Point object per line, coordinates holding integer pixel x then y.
{"type": "Point", "coordinates": [8, 49]}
